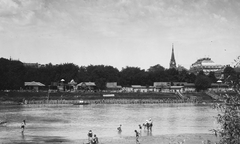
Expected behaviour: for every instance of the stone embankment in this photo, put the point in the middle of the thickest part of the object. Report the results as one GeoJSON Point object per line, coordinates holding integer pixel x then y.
{"type": "Point", "coordinates": [108, 101]}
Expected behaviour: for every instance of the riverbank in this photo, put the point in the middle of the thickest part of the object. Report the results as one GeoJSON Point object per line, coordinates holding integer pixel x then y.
{"type": "Point", "coordinates": [160, 139]}
{"type": "Point", "coordinates": [110, 101]}
{"type": "Point", "coordinates": [164, 139]}
{"type": "Point", "coordinates": [16, 97]}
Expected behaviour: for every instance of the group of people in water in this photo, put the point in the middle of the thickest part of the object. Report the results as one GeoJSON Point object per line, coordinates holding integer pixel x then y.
{"type": "Point", "coordinates": [146, 125]}
{"type": "Point", "coordinates": [92, 139]}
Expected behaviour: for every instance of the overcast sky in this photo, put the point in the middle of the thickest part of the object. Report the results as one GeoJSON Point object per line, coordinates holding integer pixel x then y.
{"type": "Point", "coordinates": [120, 33]}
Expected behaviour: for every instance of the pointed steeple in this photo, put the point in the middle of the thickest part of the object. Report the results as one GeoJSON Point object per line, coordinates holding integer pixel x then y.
{"type": "Point", "coordinates": [172, 61]}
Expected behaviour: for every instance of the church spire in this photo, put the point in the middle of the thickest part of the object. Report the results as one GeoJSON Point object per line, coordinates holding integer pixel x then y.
{"type": "Point", "coordinates": [172, 61]}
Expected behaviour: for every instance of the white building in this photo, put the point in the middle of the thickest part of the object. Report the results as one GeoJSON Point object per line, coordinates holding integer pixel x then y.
{"type": "Point", "coordinates": [206, 65]}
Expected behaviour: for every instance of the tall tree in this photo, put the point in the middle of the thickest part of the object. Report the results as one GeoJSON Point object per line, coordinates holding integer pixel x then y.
{"type": "Point", "coordinates": [229, 120]}
{"type": "Point", "coordinates": [202, 82]}
{"type": "Point", "coordinates": [230, 76]}
{"type": "Point", "coordinates": [156, 74]}
{"type": "Point", "coordinates": [132, 76]}
{"type": "Point", "coordinates": [11, 74]}
{"type": "Point", "coordinates": [172, 75]}
{"type": "Point", "coordinates": [212, 77]}
{"type": "Point", "coordinates": [182, 76]}
{"type": "Point", "coordinates": [191, 78]}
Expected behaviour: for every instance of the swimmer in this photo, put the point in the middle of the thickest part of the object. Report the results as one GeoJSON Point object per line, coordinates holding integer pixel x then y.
{"type": "Point", "coordinates": [23, 125]}
{"type": "Point", "coordinates": [95, 139]}
{"type": "Point", "coordinates": [137, 136]}
{"type": "Point", "coordinates": [140, 127]}
{"type": "Point", "coordinates": [119, 128]}
{"type": "Point", "coordinates": [90, 134]}
{"type": "Point", "coordinates": [144, 125]}
{"type": "Point", "coordinates": [150, 123]}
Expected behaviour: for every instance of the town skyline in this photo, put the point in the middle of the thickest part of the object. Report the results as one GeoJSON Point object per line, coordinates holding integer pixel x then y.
{"type": "Point", "coordinates": [119, 33]}
{"type": "Point", "coordinates": [179, 67]}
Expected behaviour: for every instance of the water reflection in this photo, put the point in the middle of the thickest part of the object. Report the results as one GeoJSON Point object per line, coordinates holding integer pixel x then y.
{"type": "Point", "coordinates": [149, 133]}
{"type": "Point", "coordinates": [23, 138]}
{"type": "Point", "coordinates": [72, 123]}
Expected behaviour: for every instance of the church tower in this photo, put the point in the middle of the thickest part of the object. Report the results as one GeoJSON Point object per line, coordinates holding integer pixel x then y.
{"type": "Point", "coordinates": [172, 61]}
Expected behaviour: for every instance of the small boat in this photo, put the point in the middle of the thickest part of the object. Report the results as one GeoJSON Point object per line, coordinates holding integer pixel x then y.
{"type": "Point", "coordinates": [81, 103]}
{"type": "Point", "coordinates": [108, 95]}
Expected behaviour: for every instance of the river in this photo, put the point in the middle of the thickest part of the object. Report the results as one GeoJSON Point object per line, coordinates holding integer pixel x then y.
{"type": "Point", "coordinates": [71, 123]}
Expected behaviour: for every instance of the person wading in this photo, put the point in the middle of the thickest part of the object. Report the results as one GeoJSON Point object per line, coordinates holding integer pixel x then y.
{"type": "Point", "coordinates": [90, 134]}
{"type": "Point", "coordinates": [95, 139]}
{"type": "Point", "coordinates": [119, 128]}
{"type": "Point", "coordinates": [23, 125]}
{"type": "Point", "coordinates": [150, 124]}
{"type": "Point", "coordinates": [137, 136]}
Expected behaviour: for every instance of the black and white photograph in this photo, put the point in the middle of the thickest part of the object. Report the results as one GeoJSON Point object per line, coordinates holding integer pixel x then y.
{"type": "Point", "coordinates": [120, 71]}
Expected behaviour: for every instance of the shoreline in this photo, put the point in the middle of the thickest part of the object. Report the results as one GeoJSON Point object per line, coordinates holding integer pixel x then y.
{"type": "Point", "coordinates": [197, 138]}
{"type": "Point", "coordinates": [184, 138]}
{"type": "Point", "coordinates": [70, 103]}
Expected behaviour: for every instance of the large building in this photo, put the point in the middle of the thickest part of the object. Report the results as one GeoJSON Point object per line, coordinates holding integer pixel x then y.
{"type": "Point", "coordinates": [172, 61]}
{"type": "Point", "coordinates": [206, 65]}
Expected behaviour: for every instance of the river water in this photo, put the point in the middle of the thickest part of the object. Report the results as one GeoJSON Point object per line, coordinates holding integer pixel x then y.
{"type": "Point", "coordinates": [72, 123]}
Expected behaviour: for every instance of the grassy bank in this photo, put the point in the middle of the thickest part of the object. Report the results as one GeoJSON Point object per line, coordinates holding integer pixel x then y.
{"type": "Point", "coordinates": [17, 97]}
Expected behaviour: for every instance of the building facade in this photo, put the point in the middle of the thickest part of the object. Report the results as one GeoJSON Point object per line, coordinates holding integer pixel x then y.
{"type": "Point", "coordinates": [206, 65]}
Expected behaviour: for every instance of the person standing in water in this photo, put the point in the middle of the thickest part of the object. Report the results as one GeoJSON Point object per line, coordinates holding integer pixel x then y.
{"type": "Point", "coordinates": [90, 134]}
{"type": "Point", "coordinates": [119, 128]}
{"type": "Point", "coordinates": [23, 125]}
{"type": "Point", "coordinates": [95, 139]}
{"type": "Point", "coordinates": [137, 136]}
{"type": "Point", "coordinates": [150, 124]}
{"type": "Point", "coordinates": [140, 127]}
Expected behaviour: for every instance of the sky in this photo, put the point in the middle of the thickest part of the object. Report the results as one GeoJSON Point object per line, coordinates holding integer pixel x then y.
{"type": "Point", "coordinates": [120, 33]}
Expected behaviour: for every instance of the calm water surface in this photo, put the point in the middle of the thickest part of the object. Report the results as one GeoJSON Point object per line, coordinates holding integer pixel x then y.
{"type": "Point", "coordinates": [74, 122]}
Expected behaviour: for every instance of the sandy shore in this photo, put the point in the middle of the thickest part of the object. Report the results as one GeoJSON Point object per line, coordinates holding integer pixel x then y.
{"type": "Point", "coordinates": [161, 139]}
{"type": "Point", "coordinates": [165, 139]}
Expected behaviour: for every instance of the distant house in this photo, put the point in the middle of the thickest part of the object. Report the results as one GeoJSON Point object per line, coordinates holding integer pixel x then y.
{"type": "Point", "coordinates": [33, 85]}
{"type": "Point", "coordinates": [33, 65]}
{"type": "Point", "coordinates": [139, 88]}
{"type": "Point", "coordinates": [179, 83]}
{"type": "Point", "coordinates": [112, 86]}
{"type": "Point", "coordinates": [86, 86]}
{"type": "Point", "coordinates": [176, 88]}
{"type": "Point", "coordinates": [72, 85]}
{"type": "Point", "coordinates": [190, 87]}
{"type": "Point", "coordinates": [218, 87]}
{"type": "Point", "coordinates": [161, 86]}
{"type": "Point", "coordinates": [127, 89]}
{"type": "Point", "coordinates": [53, 87]}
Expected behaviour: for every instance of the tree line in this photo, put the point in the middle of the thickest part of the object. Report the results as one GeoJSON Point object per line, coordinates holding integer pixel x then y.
{"type": "Point", "coordinates": [13, 74]}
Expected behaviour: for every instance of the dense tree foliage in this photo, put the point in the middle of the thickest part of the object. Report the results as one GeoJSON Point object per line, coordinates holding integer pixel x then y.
{"type": "Point", "coordinates": [229, 120]}
{"type": "Point", "coordinates": [202, 81]}
{"type": "Point", "coordinates": [231, 77]}
{"type": "Point", "coordinates": [229, 116]}
{"type": "Point", "coordinates": [212, 77]}
{"type": "Point", "coordinates": [13, 74]}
